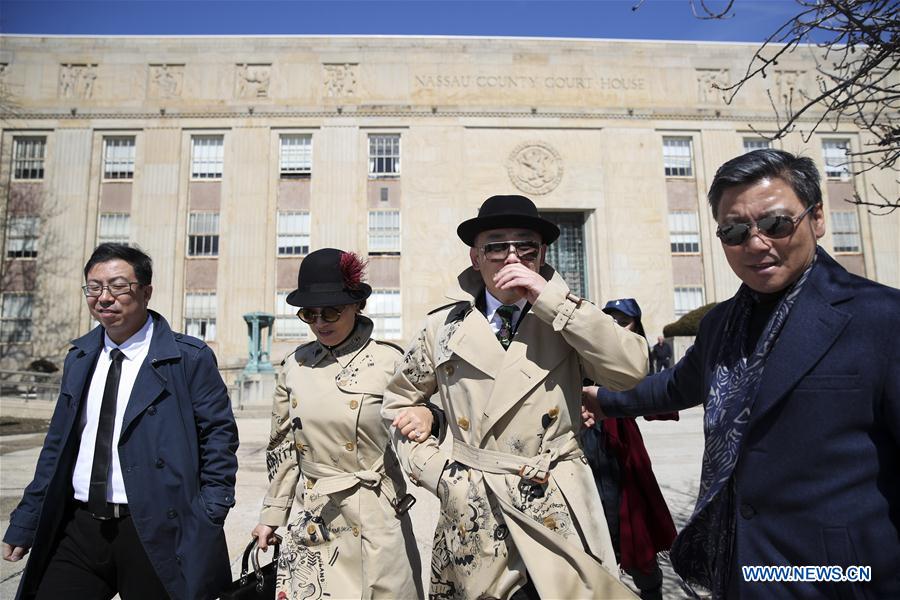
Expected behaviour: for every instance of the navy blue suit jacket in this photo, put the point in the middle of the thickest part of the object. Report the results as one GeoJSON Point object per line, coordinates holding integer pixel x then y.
{"type": "Point", "coordinates": [177, 451]}
{"type": "Point", "coordinates": [818, 478]}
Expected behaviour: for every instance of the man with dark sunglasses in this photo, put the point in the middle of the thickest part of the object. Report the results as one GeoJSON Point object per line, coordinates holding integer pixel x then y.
{"type": "Point", "coordinates": [799, 379]}
{"type": "Point", "coordinates": [520, 516]}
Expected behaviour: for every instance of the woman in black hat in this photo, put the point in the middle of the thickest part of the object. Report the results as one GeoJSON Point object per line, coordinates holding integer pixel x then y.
{"type": "Point", "coordinates": [352, 537]}
{"type": "Point", "coordinates": [639, 520]}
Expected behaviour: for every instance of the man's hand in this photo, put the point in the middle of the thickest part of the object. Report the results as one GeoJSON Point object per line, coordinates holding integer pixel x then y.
{"type": "Point", "coordinates": [13, 553]}
{"type": "Point", "coordinates": [590, 407]}
{"type": "Point", "coordinates": [415, 423]}
{"type": "Point", "coordinates": [265, 536]}
{"type": "Point", "coordinates": [518, 277]}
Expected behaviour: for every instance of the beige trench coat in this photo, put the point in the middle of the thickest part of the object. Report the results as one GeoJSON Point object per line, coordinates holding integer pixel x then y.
{"type": "Point", "coordinates": [345, 541]}
{"type": "Point", "coordinates": [517, 494]}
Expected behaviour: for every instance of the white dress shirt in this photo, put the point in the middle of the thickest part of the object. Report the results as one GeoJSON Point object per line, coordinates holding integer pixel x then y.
{"type": "Point", "coordinates": [490, 312]}
{"type": "Point", "coordinates": [135, 350]}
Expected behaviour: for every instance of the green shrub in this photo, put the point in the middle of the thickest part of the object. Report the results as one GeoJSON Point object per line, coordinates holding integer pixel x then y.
{"type": "Point", "coordinates": [689, 323]}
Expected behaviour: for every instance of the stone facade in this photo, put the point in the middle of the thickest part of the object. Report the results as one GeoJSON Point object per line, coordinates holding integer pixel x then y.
{"type": "Point", "coordinates": [179, 145]}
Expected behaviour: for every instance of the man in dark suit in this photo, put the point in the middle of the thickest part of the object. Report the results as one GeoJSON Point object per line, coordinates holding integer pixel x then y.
{"type": "Point", "coordinates": [802, 402]}
{"type": "Point", "coordinates": [138, 467]}
{"type": "Point", "coordinates": [660, 355]}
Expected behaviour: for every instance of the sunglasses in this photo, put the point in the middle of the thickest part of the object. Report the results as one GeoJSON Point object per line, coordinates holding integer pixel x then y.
{"type": "Point", "coordinates": [773, 227]}
{"type": "Point", "coordinates": [526, 250]}
{"type": "Point", "coordinates": [329, 314]}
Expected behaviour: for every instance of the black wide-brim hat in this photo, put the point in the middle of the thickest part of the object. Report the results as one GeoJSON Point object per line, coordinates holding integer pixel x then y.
{"type": "Point", "coordinates": [322, 282]}
{"type": "Point", "coordinates": [501, 212]}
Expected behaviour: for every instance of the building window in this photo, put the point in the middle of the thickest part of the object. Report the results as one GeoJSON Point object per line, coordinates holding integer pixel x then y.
{"type": "Point", "coordinates": [287, 325]}
{"type": "Point", "coordinates": [293, 233]}
{"type": "Point", "coordinates": [114, 228]}
{"type": "Point", "coordinates": [384, 232]}
{"type": "Point", "coordinates": [751, 144]}
{"type": "Point", "coordinates": [845, 231]}
{"type": "Point", "coordinates": [677, 157]}
{"type": "Point", "coordinates": [384, 309]}
{"type": "Point", "coordinates": [200, 310]}
{"type": "Point", "coordinates": [22, 237]}
{"type": "Point", "coordinates": [207, 156]}
{"type": "Point", "coordinates": [836, 162]}
{"type": "Point", "coordinates": [687, 299]}
{"type": "Point", "coordinates": [684, 232]}
{"type": "Point", "coordinates": [296, 156]}
{"type": "Point", "coordinates": [566, 254]}
{"type": "Point", "coordinates": [118, 157]}
{"type": "Point", "coordinates": [384, 155]}
{"type": "Point", "coordinates": [203, 234]}
{"type": "Point", "coordinates": [28, 157]}
{"type": "Point", "coordinates": [15, 317]}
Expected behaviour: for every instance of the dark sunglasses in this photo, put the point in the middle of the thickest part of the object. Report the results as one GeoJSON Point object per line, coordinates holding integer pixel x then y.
{"type": "Point", "coordinates": [329, 314]}
{"type": "Point", "coordinates": [526, 250]}
{"type": "Point", "coordinates": [773, 227]}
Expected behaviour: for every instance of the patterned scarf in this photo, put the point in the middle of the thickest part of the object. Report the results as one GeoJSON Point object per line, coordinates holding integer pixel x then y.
{"type": "Point", "coordinates": [703, 552]}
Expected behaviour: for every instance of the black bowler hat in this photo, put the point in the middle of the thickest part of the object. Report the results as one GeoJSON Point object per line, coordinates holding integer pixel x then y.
{"type": "Point", "coordinates": [500, 212]}
{"type": "Point", "coordinates": [329, 277]}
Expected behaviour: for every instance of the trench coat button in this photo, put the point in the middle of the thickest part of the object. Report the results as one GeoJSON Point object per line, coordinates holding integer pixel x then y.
{"type": "Point", "coordinates": [353, 404]}
{"type": "Point", "coordinates": [293, 403]}
{"type": "Point", "coordinates": [311, 529]}
{"type": "Point", "coordinates": [550, 523]}
{"type": "Point", "coordinates": [171, 513]}
{"type": "Point", "coordinates": [463, 423]}
{"type": "Point", "coordinates": [178, 558]}
{"type": "Point", "coordinates": [151, 411]}
{"type": "Point", "coordinates": [299, 446]}
{"type": "Point", "coordinates": [501, 532]}
{"type": "Point", "coordinates": [747, 511]}
{"type": "Point", "coordinates": [309, 484]}
{"type": "Point", "coordinates": [128, 469]}
{"type": "Point", "coordinates": [356, 532]}
{"type": "Point", "coordinates": [553, 412]}
{"type": "Point", "coordinates": [448, 370]}
{"type": "Point", "coordinates": [349, 446]}
{"type": "Point", "coordinates": [160, 463]}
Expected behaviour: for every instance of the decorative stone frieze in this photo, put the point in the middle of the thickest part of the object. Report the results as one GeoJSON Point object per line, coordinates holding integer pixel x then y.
{"type": "Point", "coordinates": [252, 80]}
{"type": "Point", "coordinates": [165, 81]}
{"type": "Point", "coordinates": [340, 79]}
{"type": "Point", "coordinates": [535, 168]}
{"type": "Point", "coordinates": [77, 80]}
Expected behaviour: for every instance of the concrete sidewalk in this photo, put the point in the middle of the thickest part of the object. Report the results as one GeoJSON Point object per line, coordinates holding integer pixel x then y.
{"type": "Point", "coordinates": [675, 447]}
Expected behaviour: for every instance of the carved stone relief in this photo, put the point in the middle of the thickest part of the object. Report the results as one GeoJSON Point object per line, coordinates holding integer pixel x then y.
{"type": "Point", "coordinates": [340, 79]}
{"type": "Point", "coordinates": [165, 81]}
{"type": "Point", "coordinates": [710, 83]}
{"type": "Point", "coordinates": [77, 80]}
{"type": "Point", "coordinates": [535, 168]}
{"type": "Point", "coordinates": [787, 84]}
{"type": "Point", "coordinates": [252, 80]}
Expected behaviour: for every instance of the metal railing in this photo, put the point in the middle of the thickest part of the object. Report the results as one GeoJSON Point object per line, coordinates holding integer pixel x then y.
{"type": "Point", "coordinates": [29, 386]}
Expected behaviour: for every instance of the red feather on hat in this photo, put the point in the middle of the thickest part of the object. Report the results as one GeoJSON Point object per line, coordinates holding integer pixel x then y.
{"type": "Point", "coordinates": [352, 269]}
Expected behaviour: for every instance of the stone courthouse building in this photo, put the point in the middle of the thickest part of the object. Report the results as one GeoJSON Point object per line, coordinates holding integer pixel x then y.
{"type": "Point", "coordinates": [229, 158]}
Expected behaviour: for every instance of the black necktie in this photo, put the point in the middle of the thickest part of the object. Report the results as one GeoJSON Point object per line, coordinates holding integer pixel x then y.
{"type": "Point", "coordinates": [505, 333]}
{"type": "Point", "coordinates": [105, 427]}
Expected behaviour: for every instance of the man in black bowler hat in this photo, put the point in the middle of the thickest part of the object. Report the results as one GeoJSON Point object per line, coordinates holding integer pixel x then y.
{"type": "Point", "coordinates": [137, 471]}
{"type": "Point", "coordinates": [520, 517]}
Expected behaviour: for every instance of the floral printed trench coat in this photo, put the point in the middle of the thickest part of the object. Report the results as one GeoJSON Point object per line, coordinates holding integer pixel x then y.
{"type": "Point", "coordinates": [518, 493]}
{"type": "Point", "coordinates": [345, 541]}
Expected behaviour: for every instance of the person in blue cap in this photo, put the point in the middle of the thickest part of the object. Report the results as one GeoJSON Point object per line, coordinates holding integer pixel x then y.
{"type": "Point", "coordinates": [639, 520]}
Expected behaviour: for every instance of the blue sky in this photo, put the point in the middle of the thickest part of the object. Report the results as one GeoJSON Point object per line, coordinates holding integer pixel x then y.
{"type": "Point", "coordinates": [655, 19]}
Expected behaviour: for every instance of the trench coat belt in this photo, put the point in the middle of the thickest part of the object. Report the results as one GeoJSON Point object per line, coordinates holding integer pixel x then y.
{"type": "Point", "coordinates": [535, 469]}
{"type": "Point", "coordinates": [330, 480]}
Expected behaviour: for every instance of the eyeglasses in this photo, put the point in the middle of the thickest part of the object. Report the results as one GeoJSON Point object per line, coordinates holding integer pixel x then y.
{"type": "Point", "coordinates": [526, 250]}
{"type": "Point", "coordinates": [773, 227]}
{"type": "Point", "coordinates": [329, 314]}
{"type": "Point", "coordinates": [95, 290]}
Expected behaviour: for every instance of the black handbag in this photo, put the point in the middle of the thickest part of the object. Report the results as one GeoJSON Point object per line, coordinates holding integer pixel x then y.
{"type": "Point", "coordinates": [258, 584]}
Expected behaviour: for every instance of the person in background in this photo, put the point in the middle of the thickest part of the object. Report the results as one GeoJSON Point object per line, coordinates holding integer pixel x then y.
{"type": "Point", "coordinates": [352, 536]}
{"type": "Point", "coordinates": [798, 377]}
{"type": "Point", "coordinates": [639, 521]}
{"type": "Point", "coordinates": [138, 468]}
{"type": "Point", "coordinates": [661, 355]}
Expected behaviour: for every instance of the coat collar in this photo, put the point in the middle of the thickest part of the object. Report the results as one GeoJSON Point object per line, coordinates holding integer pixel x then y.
{"type": "Point", "coordinates": [813, 326]}
{"type": "Point", "coordinates": [344, 352]}
{"type": "Point", "coordinates": [162, 344]}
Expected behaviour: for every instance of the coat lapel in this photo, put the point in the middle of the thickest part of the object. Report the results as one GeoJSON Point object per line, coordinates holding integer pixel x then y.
{"type": "Point", "coordinates": [811, 329]}
{"type": "Point", "coordinates": [151, 382]}
{"type": "Point", "coordinates": [475, 343]}
{"type": "Point", "coordinates": [88, 348]}
{"type": "Point", "coordinates": [534, 352]}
